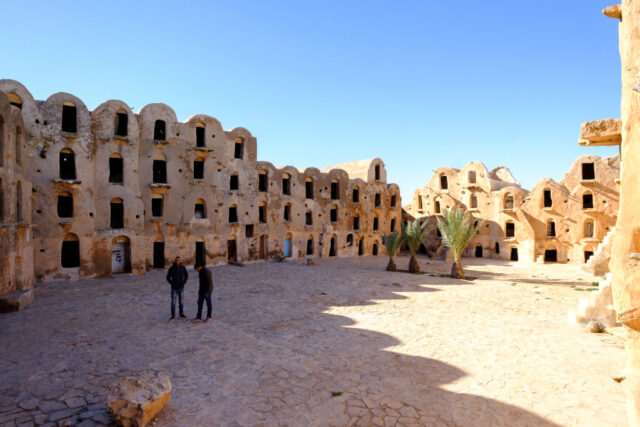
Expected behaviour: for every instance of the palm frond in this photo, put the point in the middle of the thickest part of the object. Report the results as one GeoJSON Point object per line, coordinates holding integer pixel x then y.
{"type": "Point", "coordinates": [415, 232]}
{"type": "Point", "coordinates": [457, 229]}
{"type": "Point", "coordinates": [392, 242]}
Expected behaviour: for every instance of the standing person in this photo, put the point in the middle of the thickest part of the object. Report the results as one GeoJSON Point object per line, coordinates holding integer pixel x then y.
{"type": "Point", "coordinates": [177, 276]}
{"type": "Point", "coordinates": [204, 292]}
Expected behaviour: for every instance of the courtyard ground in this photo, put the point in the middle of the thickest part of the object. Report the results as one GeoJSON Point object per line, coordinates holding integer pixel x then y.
{"type": "Point", "coordinates": [343, 342]}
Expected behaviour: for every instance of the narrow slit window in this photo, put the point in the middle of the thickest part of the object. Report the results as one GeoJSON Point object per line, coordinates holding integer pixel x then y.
{"type": "Point", "coordinates": [198, 168]}
{"type": "Point", "coordinates": [262, 213]}
{"type": "Point", "coordinates": [444, 183]}
{"type": "Point", "coordinates": [287, 212]}
{"type": "Point", "coordinates": [551, 229]}
{"type": "Point", "coordinates": [116, 169]}
{"type": "Point", "coordinates": [548, 201]}
{"type": "Point", "coordinates": [392, 228]}
{"type": "Point", "coordinates": [200, 136]}
{"type": "Point", "coordinates": [335, 190]}
{"type": "Point", "coordinates": [69, 119]}
{"type": "Point", "coordinates": [286, 184]}
{"type": "Point", "coordinates": [117, 214]}
{"type": "Point", "coordinates": [262, 181]}
{"type": "Point", "coordinates": [356, 222]}
{"type": "Point", "coordinates": [233, 214]}
{"type": "Point", "coordinates": [234, 183]}
{"type": "Point", "coordinates": [377, 172]}
{"type": "Point", "coordinates": [238, 150]}
{"type": "Point", "coordinates": [122, 124]}
{"type": "Point", "coordinates": [309, 188]}
{"type": "Point", "coordinates": [308, 218]}
{"type": "Point", "coordinates": [375, 224]}
{"type": "Point", "coordinates": [334, 214]}
{"type": "Point", "coordinates": [393, 201]}
{"type": "Point", "coordinates": [356, 195]}
{"type": "Point", "coordinates": [378, 199]}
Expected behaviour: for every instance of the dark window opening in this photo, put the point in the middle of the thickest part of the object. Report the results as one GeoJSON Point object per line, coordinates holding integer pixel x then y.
{"type": "Point", "coordinates": [497, 248]}
{"type": "Point", "coordinates": [122, 124]}
{"type": "Point", "coordinates": [508, 202]}
{"type": "Point", "coordinates": [117, 215]}
{"type": "Point", "coordinates": [69, 121]}
{"type": "Point", "coordinates": [437, 209]}
{"type": "Point", "coordinates": [474, 202]}
{"type": "Point", "coordinates": [199, 210]}
{"type": "Point", "coordinates": [334, 214]}
{"type": "Point", "coordinates": [551, 229]}
{"type": "Point", "coordinates": [160, 171]}
{"type": "Point", "coordinates": [200, 141]}
{"type": "Point", "coordinates": [472, 177]}
{"type": "Point", "coordinates": [70, 254]}
{"type": "Point", "coordinates": [238, 151]}
{"type": "Point", "coordinates": [361, 247]}
{"type": "Point", "coordinates": [356, 223]}
{"type": "Point", "coordinates": [478, 252]}
{"type": "Point", "coordinates": [548, 202]}
{"type": "Point", "coordinates": [332, 247]}
{"type": "Point", "coordinates": [262, 214]}
{"type": "Point", "coordinates": [550, 255]}
{"type": "Point", "coordinates": [438, 232]}
{"type": "Point", "coordinates": [377, 172]}
{"type": "Point", "coordinates": [158, 254]}
{"type": "Point", "coordinates": [262, 182]}
{"type": "Point", "coordinates": [159, 131]}
{"type": "Point", "coordinates": [392, 228]}
{"type": "Point", "coordinates": [67, 165]}
{"type": "Point", "coordinates": [201, 255]}
{"type": "Point", "coordinates": [116, 169]}
{"type": "Point", "coordinates": [335, 191]}
{"type": "Point", "coordinates": [309, 246]}
{"type": "Point", "coordinates": [248, 230]}
{"type": "Point", "coordinates": [349, 239]}
{"type": "Point", "coordinates": [356, 195]}
{"type": "Point", "coordinates": [233, 214]}
{"type": "Point", "coordinates": [287, 212]}
{"type": "Point", "coordinates": [588, 171]}
{"type": "Point", "coordinates": [234, 183]}
{"type": "Point", "coordinates": [587, 255]}
{"type": "Point", "coordinates": [19, 203]}
{"type": "Point", "coordinates": [286, 185]}
{"type": "Point", "coordinates": [587, 201]}
{"type": "Point", "coordinates": [375, 224]}
{"type": "Point", "coordinates": [514, 254]}
{"type": "Point", "coordinates": [308, 218]}
{"type": "Point", "coordinates": [156, 207]}
{"type": "Point", "coordinates": [374, 251]}
{"type": "Point", "coordinates": [65, 206]}
{"type": "Point", "coordinates": [510, 229]}
{"type": "Point", "coordinates": [198, 169]}
{"type": "Point", "coordinates": [232, 251]}
{"type": "Point", "coordinates": [444, 183]}
{"type": "Point", "coordinates": [393, 201]}
{"type": "Point", "coordinates": [377, 200]}
{"type": "Point", "coordinates": [309, 189]}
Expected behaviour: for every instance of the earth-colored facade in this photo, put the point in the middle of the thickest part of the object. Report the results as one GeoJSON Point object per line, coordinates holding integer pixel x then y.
{"type": "Point", "coordinates": [116, 191]}
{"type": "Point", "coordinates": [557, 221]}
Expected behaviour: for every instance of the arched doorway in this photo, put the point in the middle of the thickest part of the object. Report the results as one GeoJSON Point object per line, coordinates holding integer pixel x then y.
{"type": "Point", "coordinates": [120, 255]}
{"type": "Point", "coordinates": [287, 246]}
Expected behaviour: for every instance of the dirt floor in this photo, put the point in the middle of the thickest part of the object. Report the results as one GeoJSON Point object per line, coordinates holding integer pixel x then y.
{"type": "Point", "coordinates": [340, 343]}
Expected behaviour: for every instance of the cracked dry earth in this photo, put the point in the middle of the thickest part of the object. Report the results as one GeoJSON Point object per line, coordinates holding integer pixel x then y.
{"type": "Point", "coordinates": [340, 343]}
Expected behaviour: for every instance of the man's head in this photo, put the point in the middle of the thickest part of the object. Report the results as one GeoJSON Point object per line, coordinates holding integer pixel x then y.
{"type": "Point", "coordinates": [198, 267]}
{"type": "Point", "coordinates": [178, 260]}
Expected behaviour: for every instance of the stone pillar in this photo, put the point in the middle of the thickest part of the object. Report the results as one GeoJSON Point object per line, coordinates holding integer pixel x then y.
{"type": "Point", "coordinates": [625, 264]}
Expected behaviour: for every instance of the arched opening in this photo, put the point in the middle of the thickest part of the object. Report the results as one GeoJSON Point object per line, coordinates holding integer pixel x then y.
{"type": "Point", "coordinates": [116, 168]}
{"type": "Point", "coordinates": [117, 213]}
{"type": "Point", "coordinates": [67, 164]}
{"type": "Point", "coordinates": [335, 189]}
{"type": "Point", "coordinates": [157, 205]}
{"type": "Point", "coordinates": [308, 218]}
{"type": "Point", "coordinates": [262, 180]}
{"type": "Point", "coordinates": [437, 207]}
{"type": "Point", "coordinates": [121, 124]}
{"type": "Point", "coordinates": [234, 182]}
{"type": "Point", "coordinates": [349, 239]}
{"type": "Point", "coordinates": [69, 117]}
{"type": "Point", "coordinates": [200, 209]}
{"type": "Point", "coordinates": [15, 100]}
{"type": "Point", "coordinates": [287, 249]}
{"type": "Point", "coordinates": [286, 184]}
{"type": "Point", "coordinates": [587, 201]}
{"type": "Point", "coordinates": [310, 245]}
{"type": "Point", "coordinates": [308, 188]}
{"type": "Point", "coordinates": [159, 131]}
{"type": "Point", "coordinates": [70, 251]}
{"type": "Point", "coordinates": [238, 150]}
{"type": "Point", "coordinates": [201, 135]}
{"type": "Point", "coordinates": [233, 214]}
{"type": "Point", "coordinates": [198, 168]}
{"type": "Point", "coordinates": [262, 212]}
{"type": "Point", "coordinates": [444, 182]}
{"type": "Point", "coordinates": [514, 254]}
{"type": "Point", "coordinates": [474, 201]}
{"type": "Point", "coordinates": [355, 195]}
{"type": "Point", "coordinates": [508, 202]}
{"type": "Point", "coordinates": [65, 205]}
{"type": "Point", "coordinates": [589, 228]}
{"type": "Point", "coordinates": [551, 229]}
{"type": "Point", "coordinates": [158, 255]}
{"type": "Point", "coordinates": [120, 255]}
{"type": "Point", "coordinates": [287, 212]}
{"type": "Point", "coordinates": [361, 247]}
{"type": "Point", "coordinates": [377, 172]}
{"type": "Point", "coordinates": [333, 250]}
{"type": "Point", "coordinates": [374, 250]}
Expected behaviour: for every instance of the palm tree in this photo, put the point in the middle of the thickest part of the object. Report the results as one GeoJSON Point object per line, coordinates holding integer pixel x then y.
{"type": "Point", "coordinates": [414, 233]}
{"type": "Point", "coordinates": [457, 228]}
{"type": "Point", "coordinates": [392, 242]}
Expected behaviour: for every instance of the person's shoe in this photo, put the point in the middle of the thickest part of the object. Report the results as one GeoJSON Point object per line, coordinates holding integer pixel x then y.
{"type": "Point", "coordinates": [172, 319]}
{"type": "Point", "coordinates": [208, 319]}
{"type": "Point", "coordinates": [196, 320]}
{"type": "Point", "coordinates": [182, 316]}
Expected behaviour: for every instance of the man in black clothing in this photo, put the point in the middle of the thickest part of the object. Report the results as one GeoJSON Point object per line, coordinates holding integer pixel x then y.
{"type": "Point", "coordinates": [177, 276]}
{"type": "Point", "coordinates": [204, 292]}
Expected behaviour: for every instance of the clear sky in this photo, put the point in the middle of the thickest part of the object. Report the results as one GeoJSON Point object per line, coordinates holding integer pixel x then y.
{"type": "Point", "coordinates": [421, 84]}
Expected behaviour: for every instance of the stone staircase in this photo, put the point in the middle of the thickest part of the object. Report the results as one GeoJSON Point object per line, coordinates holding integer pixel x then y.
{"type": "Point", "coordinates": [598, 264]}
{"type": "Point", "coordinates": [598, 307]}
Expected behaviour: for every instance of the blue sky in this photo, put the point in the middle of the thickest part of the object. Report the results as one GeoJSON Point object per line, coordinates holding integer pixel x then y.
{"type": "Point", "coordinates": [421, 84]}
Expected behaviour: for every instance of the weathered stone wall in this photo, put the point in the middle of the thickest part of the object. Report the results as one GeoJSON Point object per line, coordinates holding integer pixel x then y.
{"type": "Point", "coordinates": [16, 240]}
{"type": "Point", "coordinates": [194, 208]}
{"type": "Point", "coordinates": [498, 200]}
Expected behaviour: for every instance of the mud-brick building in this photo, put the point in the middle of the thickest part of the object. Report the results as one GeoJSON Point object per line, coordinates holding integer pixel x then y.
{"type": "Point", "coordinates": [16, 231]}
{"type": "Point", "coordinates": [117, 191]}
{"type": "Point", "coordinates": [557, 221]}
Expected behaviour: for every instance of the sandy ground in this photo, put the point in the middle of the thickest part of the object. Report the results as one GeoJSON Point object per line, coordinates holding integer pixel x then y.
{"type": "Point", "coordinates": [343, 342]}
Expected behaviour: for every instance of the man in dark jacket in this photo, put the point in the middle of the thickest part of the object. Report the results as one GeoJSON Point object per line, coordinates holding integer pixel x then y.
{"type": "Point", "coordinates": [204, 292]}
{"type": "Point", "coordinates": [177, 276]}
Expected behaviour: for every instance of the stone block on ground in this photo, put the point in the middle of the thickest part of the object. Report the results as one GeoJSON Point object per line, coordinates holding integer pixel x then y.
{"type": "Point", "coordinates": [136, 400]}
{"type": "Point", "coordinates": [16, 301]}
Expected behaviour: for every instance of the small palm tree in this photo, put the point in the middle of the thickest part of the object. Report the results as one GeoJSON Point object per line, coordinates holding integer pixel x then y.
{"type": "Point", "coordinates": [414, 233]}
{"type": "Point", "coordinates": [457, 228]}
{"type": "Point", "coordinates": [392, 242]}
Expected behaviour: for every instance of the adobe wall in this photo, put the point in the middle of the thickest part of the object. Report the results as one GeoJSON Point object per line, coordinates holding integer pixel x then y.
{"type": "Point", "coordinates": [182, 222]}
{"type": "Point", "coordinates": [496, 198]}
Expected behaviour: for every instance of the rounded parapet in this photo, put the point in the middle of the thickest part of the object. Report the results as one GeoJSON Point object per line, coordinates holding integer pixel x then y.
{"type": "Point", "coordinates": [29, 107]}
{"type": "Point", "coordinates": [114, 119]}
